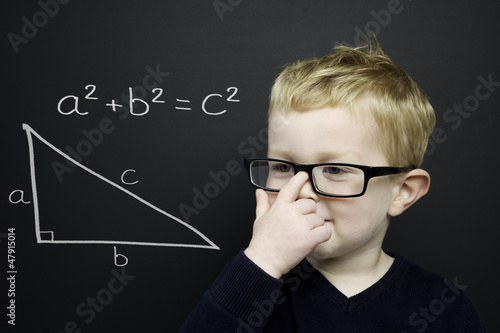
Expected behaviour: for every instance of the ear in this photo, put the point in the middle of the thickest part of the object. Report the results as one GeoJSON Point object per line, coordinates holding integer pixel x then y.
{"type": "Point", "coordinates": [408, 189]}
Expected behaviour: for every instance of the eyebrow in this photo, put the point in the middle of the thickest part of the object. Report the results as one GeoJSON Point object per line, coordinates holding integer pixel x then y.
{"type": "Point", "coordinates": [321, 157]}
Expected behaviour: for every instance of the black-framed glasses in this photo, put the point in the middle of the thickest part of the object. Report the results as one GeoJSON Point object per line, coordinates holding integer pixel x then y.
{"type": "Point", "coordinates": [338, 180]}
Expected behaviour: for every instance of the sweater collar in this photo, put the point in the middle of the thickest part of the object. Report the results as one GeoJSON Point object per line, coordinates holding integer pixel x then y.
{"type": "Point", "coordinates": [350, 303]}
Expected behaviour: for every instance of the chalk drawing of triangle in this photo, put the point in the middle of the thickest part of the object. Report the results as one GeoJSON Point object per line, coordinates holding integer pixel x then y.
{"type": "Point", "coordinates": [49, 236]}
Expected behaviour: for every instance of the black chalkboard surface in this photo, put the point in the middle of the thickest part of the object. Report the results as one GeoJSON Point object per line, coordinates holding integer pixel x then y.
{"type": "Point", "coordinates": [125, 124]}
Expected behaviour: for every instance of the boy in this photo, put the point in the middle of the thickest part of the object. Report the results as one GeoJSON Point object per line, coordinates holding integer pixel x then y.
{"type": "Point", "coordinates": [347, 136]}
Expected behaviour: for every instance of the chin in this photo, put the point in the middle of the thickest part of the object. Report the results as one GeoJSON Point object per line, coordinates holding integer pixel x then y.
{"type": "Point", "coordinates": [322, 251]}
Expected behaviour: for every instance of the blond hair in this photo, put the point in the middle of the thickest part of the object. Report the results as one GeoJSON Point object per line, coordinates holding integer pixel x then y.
{"type": "Point", "coordinates": [398, 105]}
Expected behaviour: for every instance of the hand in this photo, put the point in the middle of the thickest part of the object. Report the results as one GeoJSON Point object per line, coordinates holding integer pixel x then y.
{"type": "Point", "coordinates": [284, 233]}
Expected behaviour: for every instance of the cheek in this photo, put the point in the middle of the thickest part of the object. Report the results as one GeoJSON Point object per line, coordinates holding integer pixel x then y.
{"type": "Point", "coordinates": [347, 211]}
{"type": "Point", "coordinates": [379, 195]}
{"type": "Point", "coordinates": [354, 216]}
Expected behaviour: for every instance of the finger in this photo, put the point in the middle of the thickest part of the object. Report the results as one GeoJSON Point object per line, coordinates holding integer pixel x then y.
{"type": "Point", "coordinates": [263, 204]}
{"type": "Point", "coordinates": [291, 190]}
{"type": "Point", "coordinates": [320, 234]}
{"type": "Point", "coordinates": [305, 206]}
{"type": "Point", "coordinates": [314, 220]}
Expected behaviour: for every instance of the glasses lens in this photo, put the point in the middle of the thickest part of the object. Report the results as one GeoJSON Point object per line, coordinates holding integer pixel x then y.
{"type": "Point", "coordinates": [338, 179]}
{"type": "Point", "coordinates": [271, 175]}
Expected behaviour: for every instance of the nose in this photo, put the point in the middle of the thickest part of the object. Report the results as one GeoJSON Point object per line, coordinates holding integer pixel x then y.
{"type": "Point", "coordinates": [307, 191]}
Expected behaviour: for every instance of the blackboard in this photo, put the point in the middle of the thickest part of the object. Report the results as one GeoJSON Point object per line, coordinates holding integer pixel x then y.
{"type": "Point", "coordinates": [117, 219]}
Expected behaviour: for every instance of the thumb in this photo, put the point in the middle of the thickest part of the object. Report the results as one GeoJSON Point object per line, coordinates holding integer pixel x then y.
{"type": "Point", "coordinates": [263, 204]}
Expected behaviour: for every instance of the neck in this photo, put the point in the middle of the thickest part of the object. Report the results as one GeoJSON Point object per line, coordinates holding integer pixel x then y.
{"type": "Point", "coordinates": [351, 274]}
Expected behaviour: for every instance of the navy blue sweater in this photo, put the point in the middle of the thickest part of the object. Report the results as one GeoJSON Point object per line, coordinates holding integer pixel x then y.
{"type": "Point", "coordinates": [406, 299]}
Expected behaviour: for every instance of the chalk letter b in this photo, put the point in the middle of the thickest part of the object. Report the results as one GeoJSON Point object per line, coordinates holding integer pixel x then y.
{"type": "Point", "coordinates": [121, 255]}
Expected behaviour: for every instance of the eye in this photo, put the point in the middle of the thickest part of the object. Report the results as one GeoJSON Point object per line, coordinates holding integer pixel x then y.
{"type": "Point", "coordinates": [280, 170]}
{"type": "Point", "coordinates": [332, 170]}
{"type": "Point", "coordinates": [284, 167]}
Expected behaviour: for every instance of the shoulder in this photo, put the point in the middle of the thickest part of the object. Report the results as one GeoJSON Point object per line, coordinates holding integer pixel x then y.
{"type": "Point", "coordinates": [415, 279]}
{"type": "Point", "coordinates": [435, 300]}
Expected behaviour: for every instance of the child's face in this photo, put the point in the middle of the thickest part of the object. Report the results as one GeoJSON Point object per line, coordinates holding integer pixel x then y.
{"type": "Point", "coordinates": [334, 135]}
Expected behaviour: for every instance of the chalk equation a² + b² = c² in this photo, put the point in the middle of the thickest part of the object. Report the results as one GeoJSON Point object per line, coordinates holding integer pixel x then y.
{"type": "Point", "coordinates": [137, 106]}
